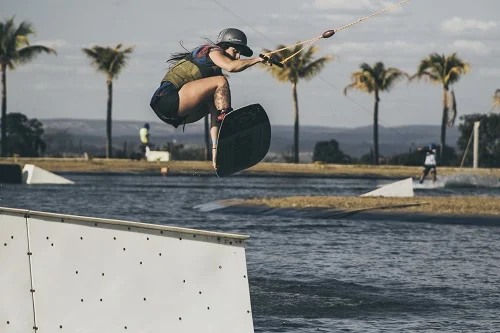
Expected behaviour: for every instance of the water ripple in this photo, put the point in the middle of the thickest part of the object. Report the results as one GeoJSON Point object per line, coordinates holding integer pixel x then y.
{"type": "Point", "coordinates": [314, 274]}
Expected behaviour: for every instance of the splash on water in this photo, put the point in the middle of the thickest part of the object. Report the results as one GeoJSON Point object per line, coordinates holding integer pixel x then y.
{"type": "Point", "coordinates": [428, 184]}
{"type": "Point", "coordinates": [462, 180]}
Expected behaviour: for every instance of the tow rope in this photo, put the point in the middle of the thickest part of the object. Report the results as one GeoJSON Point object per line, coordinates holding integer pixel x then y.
{"type": "Point", "coordinates": [327, 34]}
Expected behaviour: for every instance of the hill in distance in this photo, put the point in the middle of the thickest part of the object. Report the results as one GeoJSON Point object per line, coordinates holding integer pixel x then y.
{"type": "Point", "coordinates": [353, 141]}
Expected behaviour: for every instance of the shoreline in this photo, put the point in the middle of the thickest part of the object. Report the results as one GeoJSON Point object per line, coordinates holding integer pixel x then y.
{"type": "Point", "coordinates": [263, 169]}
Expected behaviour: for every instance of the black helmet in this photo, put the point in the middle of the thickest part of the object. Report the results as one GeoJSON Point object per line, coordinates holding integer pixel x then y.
{"type": "Point", "coordinates": [236, 37]}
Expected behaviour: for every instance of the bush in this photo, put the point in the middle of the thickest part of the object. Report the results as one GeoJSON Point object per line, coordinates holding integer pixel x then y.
{"type": "Point", "coordinates": [329, 152]}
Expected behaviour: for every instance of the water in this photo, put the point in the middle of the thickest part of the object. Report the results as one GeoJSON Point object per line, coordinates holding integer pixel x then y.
{"type": "Point", "coordinates": [314, 275]}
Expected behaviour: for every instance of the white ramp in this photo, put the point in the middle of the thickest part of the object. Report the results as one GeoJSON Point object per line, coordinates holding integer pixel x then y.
{"type": "Point", "coordinates": [402, 188]}
{"type": "Point", "coordinates": [35, 175]}
{"type": "Point", "coordinates": [16, 304]}
{"type": "Point", "coordinates": [157, 155]}
{"type": "Point", "coordinates": [101, 275]}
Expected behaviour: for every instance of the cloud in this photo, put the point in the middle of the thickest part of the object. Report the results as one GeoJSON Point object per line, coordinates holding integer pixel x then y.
{"type": "Point", "coordinates": [473, 46]}
{"type": "Point", "coordinates": [352, 47]}
{"type": "Point", "coordinates": [386, 48]}
{"type": "Point", "coordinates": [288, 17]}
{"type": "Point", "coordinates": [395, 10]}
{"type": "Point", "coordinates": [41, 86]}
{"type": "Point", "coordinates": [344, 4]}
{"type": "Point", "coordinates": [490, 72]}
{"type": "Point", "coordinates": [45, 68]}
{"type": "Point", "coordinates": [74, 57]}
{"type": "Point", "coordinates": [113, 44]}
{"type": "Point", "coordinates": [372, 5]}
{"type": "Point", "coordinates": [396, 49]}
{"type": "Point", "coordinates": [85, 70]}
{"type": "Point", "coordinates": [342, 18]}
{"type": "Point", "coordinates": [458, 24]}
{"type": "Point", "coordinates": [49, 86]}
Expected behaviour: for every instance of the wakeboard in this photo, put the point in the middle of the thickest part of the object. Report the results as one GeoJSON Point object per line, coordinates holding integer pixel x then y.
{"type": "Point", "coordinates": [244, 139]}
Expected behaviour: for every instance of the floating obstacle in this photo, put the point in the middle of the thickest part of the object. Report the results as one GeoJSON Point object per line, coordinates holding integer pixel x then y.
{"type": "Point", "coordinates": [157, 155]}
{"type": "Point", "coordinates": [402, 188]}
{"type": "Point", "coordinates": [35, 175]}
{"type": "Point", "coordinates": [66, 273]}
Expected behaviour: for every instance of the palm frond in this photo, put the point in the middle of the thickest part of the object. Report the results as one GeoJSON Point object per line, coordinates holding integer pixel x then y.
{"type": "Point", "coordinates": [362, 81]}
{"type": "Point", "coordinates": [309, 54]}
{"type": "Point", "coordinates": [6, 32]}
{"type": "Point", "coordinates": [349, 87]}
{"type": "Point", "coordinates": [120, 59]}
{"type": "Point", "coordinates": [314, 68]}
{"type": "Point", "coordinates": [367, 68]}
{"type": "Point", "coordinates": [393, 76]}
{"type": "Point", "coordinates": [28, 53]}
{"type": "Point", "coordinates": [280, 74]}
{"type": "Point", "coordinates": [496, 99]}
{"type": "Point", "coordinates": [22, 33]}
{"type": "Point", "coordinates": [430, 69]}
{"type": "Point", "coordinates": [110, 61]}
{"type": "Point", "coordinates": [95, 57]}
{"type": "Point", "coordinates": [425, 75]}
{"type": "Point", "coordinates": [301, 66]}
{"type": "Point", "coordinates": [441, 69]}
{"type": "Point", "coordinates": [379, 69]}
{"type": "Point", "coordinates": [15, 46]}
{"type": "Point", "coordinates": [456, 72]}
{"type": "Point", "coordinates": [452, 109]}
{"type": "Point", "coordinates": [377, 78]}
{"type": "Point", "coordinates": [19, 37]}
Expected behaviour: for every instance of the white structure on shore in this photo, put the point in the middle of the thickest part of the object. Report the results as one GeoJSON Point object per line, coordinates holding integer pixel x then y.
{"type": "Point", "coordinates": [65, 273]}
{"type": "Point", "coordinates": [35, 175]}
{"type": "Point", "coordinates": [157, 155]}
{"type": "Point", "coordinates": [402, 188]}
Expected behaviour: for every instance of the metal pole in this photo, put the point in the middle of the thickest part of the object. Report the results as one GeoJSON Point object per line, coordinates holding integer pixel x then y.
{"type": "Point", "coordinates": [466, 149]}
{"type": "Point", "coordinates": [476, 144]}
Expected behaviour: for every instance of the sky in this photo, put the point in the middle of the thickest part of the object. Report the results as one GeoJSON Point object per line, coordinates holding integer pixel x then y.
{"type": "Point", "coordinates": [66, 86]}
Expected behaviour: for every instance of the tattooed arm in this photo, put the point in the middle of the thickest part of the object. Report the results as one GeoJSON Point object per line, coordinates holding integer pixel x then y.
{"type": "Point", "coordinates": [231, 63]}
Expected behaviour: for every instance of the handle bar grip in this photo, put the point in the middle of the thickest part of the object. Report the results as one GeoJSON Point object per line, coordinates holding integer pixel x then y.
{"type": "Point", "coordinates": [272, 60]}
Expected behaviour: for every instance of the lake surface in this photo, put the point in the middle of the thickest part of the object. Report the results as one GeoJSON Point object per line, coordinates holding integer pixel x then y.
{"type": "Point", "coordinates": [316, 275]}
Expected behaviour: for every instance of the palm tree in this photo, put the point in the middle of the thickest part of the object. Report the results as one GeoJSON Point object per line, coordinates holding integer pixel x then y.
{"type": "Point", "coordinates": [15, 49]}
{"type": "Point", "coordinates": [301, 66]}
{"type": "Point", "coordinates": [374, 80]}
{"type": "Point", "coordinates": [443, 70]}
{"type": "Point", "coordinates": [496, 99]}
{"type": "Point", "coordinates": [110, 61]}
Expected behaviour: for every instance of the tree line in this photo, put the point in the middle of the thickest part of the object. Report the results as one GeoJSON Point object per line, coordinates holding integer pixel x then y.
{"type": "Point", "coordinates": [15, 49]}
{"type": "Point", "coordinates": [439, 69]}
{"type": "Point", "coordinates": [29, 139]}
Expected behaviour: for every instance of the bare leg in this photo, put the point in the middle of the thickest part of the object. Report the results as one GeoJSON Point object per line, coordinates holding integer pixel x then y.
{"type": "Point", "coordinates": [205, 96]}
{"type": "Point", "coordinates": [214, 131]}
{"type": "Point", "coordinates": [195, 95]}
{"type": "Point", "coordinates": [196, 114]}
{"type": "Point", "coordinates": [222, 97]}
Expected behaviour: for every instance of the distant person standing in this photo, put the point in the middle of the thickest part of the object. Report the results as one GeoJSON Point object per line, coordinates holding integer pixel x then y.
{"type": "Point", "coordinates": [144, 136]}
{"type": "Point", "coordinates": [429, 163]}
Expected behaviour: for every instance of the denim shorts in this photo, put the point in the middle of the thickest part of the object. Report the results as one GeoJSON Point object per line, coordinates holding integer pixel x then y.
{"type": "Point", "coordinates": [165, 103]}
